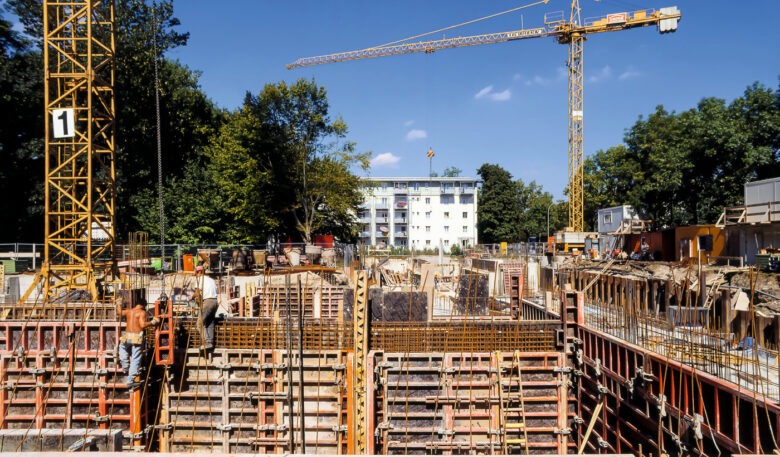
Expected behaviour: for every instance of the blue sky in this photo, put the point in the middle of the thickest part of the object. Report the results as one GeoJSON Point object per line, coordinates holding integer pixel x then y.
{"type": "Point", "coordinates": [502, 103]}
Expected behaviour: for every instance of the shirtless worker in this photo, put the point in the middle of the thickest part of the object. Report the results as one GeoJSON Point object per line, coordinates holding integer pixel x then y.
{"type": "Point", "coordinates": [132, 341]}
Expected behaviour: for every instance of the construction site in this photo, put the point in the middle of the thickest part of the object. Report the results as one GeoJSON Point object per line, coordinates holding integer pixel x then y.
{"type": "Point", "coordinates": [568, 346]}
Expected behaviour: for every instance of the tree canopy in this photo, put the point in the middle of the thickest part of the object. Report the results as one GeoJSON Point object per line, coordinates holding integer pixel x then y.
{"type": "Point", "coordinates": [681, 169]}
{"type": "Point", "coordinates": [513, 211]}
{"type": "Point", "coordinates": [281, 165]}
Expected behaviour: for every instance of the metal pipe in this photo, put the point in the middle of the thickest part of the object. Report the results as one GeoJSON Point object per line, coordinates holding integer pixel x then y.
{"type": "Point", "coordinates": [300, 367]}
{"type": "Point", "coordinates": [289, 364]}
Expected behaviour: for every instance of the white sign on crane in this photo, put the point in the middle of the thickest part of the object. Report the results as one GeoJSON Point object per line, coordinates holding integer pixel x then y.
{"type": "Point", "coordinates": [63, 123]}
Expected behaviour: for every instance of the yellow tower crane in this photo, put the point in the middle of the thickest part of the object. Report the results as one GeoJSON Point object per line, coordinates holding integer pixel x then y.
{"type": "Point", "coordinates": [78, 56]}
{"type": "Point", "coordinates": [572, 32]}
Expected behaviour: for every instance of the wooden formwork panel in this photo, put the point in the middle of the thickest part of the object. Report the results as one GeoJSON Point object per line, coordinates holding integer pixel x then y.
{"type": "Point", "coordinates": [240, 402]}
{"type": "Point", "coordinates": [62, 375]}
{"type": "Point", "coordinates": [465, 403]}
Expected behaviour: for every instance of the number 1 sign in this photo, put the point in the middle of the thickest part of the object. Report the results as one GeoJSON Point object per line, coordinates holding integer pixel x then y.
{"type": "Point", "coordinates": [63, 123]}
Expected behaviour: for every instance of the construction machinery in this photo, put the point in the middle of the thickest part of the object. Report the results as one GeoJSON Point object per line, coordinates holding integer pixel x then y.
{"type": "Point", "coordinates": [572, 32]}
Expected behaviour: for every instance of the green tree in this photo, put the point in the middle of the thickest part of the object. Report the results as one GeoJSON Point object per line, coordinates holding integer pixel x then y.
{"type": "Point", "coordinates": [243, 178]}
{"type": "Point", "coordinates": [188, 117]}
{"type": "Point", "coordinates": [194, 211]}
{"type": "Point", "coordinates": [611, 178]}
{"type": "Point", "coordinates": [680, 169]}
{"type": "Point", "coordinates": [21, 133]}
{"type": "Point", "coordinates": [534, 202]}
{"type": "Point", "coordinates": [499, 206]}
{"type": "Point", "coordinates": [451, 172]}
{"type": "Point", "coordinates": [308, 157]}
{"type": "Point", "coordinates": [283, 167]}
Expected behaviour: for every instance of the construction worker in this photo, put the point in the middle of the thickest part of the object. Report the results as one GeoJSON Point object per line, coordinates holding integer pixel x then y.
{"type": "Point", "coordinates": [131, 343]}
{"type": "Point", "coordinates": [206, 297]}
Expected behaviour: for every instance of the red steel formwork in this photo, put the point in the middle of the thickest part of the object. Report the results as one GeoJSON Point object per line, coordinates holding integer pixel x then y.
{"type": "Point", "coordinates": [654, 404]}
{"type": "Point", "coordinates": [63, 375]}
{"type": "Point", "coordinates": [240, 403]}
{"type": "Point", "coordinates": [469, 402]}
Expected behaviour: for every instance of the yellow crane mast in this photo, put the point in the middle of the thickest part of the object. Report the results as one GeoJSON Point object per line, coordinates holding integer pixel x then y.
{"type": "Point", "coordinates": [572, 32]}
{"type": "Point", "coordinates": [78, 55]}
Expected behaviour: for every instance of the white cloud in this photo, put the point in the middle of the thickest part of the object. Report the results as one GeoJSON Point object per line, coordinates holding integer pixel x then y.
{"type": "Point", "coordinates": [408, 123]}
{"type": "Point", "coordinates": [388, 159]}
{"type": "Point", "coordinates": [501, 96]}
{"type": "Point", "coordinates": [483, 92]}
{"type": "Point", "coordinates": [416, 134]}
{"type": "Point", "coordinates": [488, 93]}
{"type": "Point", "coordinates": [602, 75]}
{"type": "Point", "coordinates": [539, 80]}
{"type": "Point", "coordinates": [629, 74]}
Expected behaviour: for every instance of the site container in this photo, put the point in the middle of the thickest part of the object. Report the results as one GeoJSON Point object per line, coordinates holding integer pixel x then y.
{"type": "Point", "coordinates": [687, 241]}
{"type": "Point", "coordinates": [188, 262]}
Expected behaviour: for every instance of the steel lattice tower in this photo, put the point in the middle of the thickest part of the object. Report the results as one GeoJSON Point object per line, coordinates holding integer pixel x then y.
{"type": "Point", "coordinates": [78, 55]}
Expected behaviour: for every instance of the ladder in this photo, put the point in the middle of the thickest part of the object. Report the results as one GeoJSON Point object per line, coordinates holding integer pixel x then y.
{"type": "Point", "coordinates": [714, 288]}
{"type": "Point", "coordinates": [512, 407]}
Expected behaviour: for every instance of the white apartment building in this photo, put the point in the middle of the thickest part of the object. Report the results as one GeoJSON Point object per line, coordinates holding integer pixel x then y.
{"type": "Point", "coordinates": [419, 212]}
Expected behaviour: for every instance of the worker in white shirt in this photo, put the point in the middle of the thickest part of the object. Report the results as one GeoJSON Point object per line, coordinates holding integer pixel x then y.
{"type": "Point", "coordinates": [206, 297]}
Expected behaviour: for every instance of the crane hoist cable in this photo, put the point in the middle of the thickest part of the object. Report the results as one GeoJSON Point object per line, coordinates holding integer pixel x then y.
{"type": "Point", "coordinates": [455, 26]}
{"type": "Point", "coordinates": [160, 202]}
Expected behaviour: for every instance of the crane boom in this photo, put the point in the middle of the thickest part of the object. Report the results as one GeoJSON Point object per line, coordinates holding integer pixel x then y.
{"type": "Point", "coordinates": [572, 32]}
{"type": "Point", "coordinates": [422, 46]}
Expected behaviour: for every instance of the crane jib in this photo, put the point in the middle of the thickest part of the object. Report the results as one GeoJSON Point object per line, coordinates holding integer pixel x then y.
{"type": "Point", "coordinates": [526, 33]}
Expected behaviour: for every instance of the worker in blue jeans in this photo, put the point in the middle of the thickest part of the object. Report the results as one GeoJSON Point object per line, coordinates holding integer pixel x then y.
{"type": "Point", "coordinates": [131, 343]}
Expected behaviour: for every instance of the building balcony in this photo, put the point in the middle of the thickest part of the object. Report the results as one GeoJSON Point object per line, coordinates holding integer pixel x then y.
{"type": "Point", "coordinates": [448, 190]}
{"type": "Point", "coordinates": [365, 235]}
{"type": "Point", "coordinates": [400, 234]}
{"type": "Point", "coordinates": [365, 219]}
{"type": "Point", "coordinates": [381, 206]}
{"type": "Point", "coordinates": [380, 234]}
{"type": "Point", "coordinates": [400, 190]}
{"type": "Point", "coordinates": [403, 204]}
{"type": "Point", "coordinates": [467, 190]}
{"type": "Point", "coordinates": [400, 220]}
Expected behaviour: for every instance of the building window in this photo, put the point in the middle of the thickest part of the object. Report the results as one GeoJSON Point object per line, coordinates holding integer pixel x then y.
{"type": "Point", "coordinates": [608, 218]}
{"type": "Point", "coordinates": [446, 214]}
{"type": "Point", "coordinates": [446, 242]}
{"type": "Point", "coordinates": [446, 229]}
{"type": "Point", "coordinates": [427, 242]}
{"type": "Point", "coordinates": [427, 200]}
{"type": "Point", "coordinates": [427, 228]}
{"type": "Point", "coordinates": [427, 214]}
{"type": "Point", "coordinates": [465, 214]}
{"type": "Point", "coordinates": [465, 228]}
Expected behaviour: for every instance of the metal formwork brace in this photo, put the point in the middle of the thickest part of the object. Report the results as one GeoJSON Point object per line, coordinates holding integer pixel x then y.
{"type": "Point", "coordinates": [361, 352]}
